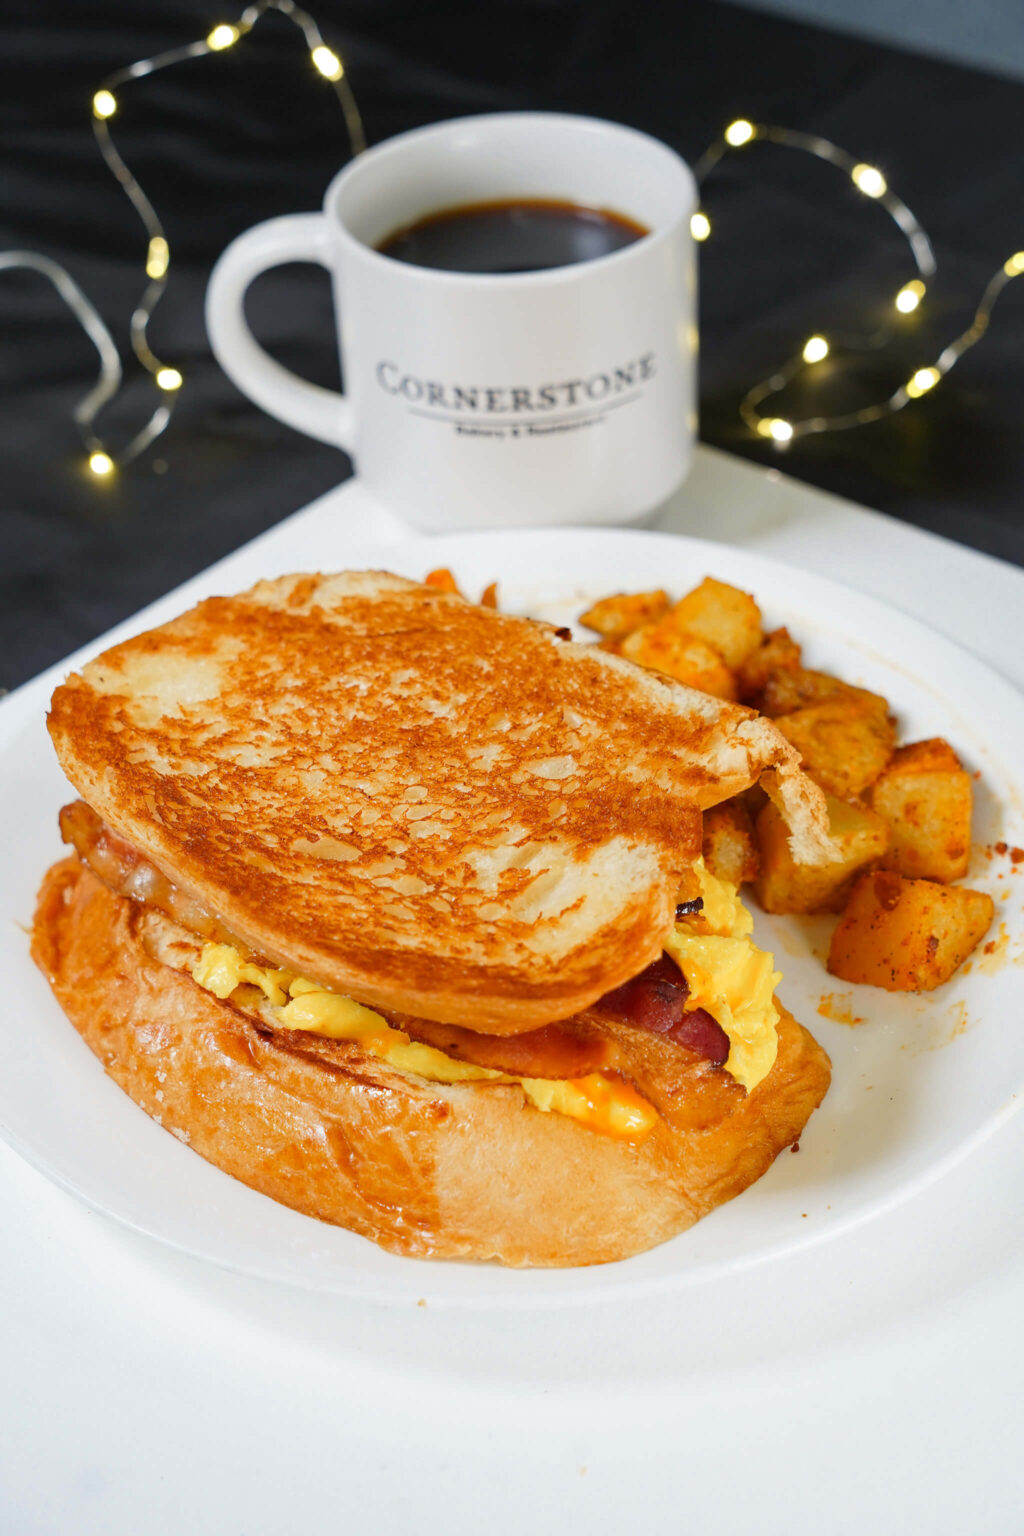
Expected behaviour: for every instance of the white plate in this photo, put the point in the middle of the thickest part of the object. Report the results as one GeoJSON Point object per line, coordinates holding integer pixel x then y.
{"type": "Point", "coordinates": [914, 1087]}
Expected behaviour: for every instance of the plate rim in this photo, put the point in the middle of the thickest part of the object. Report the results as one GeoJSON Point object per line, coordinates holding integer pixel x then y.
{"type": "Point", "coordinates": [407, 550]}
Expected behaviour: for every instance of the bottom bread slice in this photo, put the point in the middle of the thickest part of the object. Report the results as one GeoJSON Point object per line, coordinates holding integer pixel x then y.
{"type": "Point", "coordinates": [466, 1170]}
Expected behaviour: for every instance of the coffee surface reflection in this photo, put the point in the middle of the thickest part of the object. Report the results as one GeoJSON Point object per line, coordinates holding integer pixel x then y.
{"type": "Point", "coordinates": [515, 235]}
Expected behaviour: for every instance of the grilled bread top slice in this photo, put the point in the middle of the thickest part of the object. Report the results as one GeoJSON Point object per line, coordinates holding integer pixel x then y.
{"type": "Point", "coordinates": [425, 804]}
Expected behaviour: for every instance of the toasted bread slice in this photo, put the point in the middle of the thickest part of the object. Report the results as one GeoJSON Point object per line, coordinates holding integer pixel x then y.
{"type": "Point", "coordinates": [420, 802]}
{"type": "Point", "coordinates": [433, 1170]}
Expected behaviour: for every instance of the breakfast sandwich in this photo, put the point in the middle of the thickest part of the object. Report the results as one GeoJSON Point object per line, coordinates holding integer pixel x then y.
{"type": "Point", "coordinates": [393, 907]}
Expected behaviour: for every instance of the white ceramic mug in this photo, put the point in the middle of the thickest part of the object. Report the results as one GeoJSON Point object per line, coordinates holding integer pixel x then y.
{"type": "Point", "coordinates": [564, 395]}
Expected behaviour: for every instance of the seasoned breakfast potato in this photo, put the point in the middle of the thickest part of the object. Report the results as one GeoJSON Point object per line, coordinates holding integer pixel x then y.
{"type": "Point", "coordinates": [783, 885]}
{"type": "Point", "coordinates": [844, 742]}
{"type": "Point", "coordinates": [723, 616]}
{"type": "Point", "coordinates": [665, 648]}
{"type": "Point", "coordinates": [776, 653]}
{"type": "Point", "coordinates": [791, 688]}
{"type": "Point", "coordinates": [617, 616]}
{"type": "Point", "coordinates": [926, 797]}
{"type": "Point", "coordinates": [907, 935]}
{"type": "Point", "coordinates": [900, 817]}
{"type": "Point", "coordinates": [730, 851]}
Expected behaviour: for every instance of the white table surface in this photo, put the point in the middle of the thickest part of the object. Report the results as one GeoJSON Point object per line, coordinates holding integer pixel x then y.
{"type": "Point", "coordinates": [869, 1386]}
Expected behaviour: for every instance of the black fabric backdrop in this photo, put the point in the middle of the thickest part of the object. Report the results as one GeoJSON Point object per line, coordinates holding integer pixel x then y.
{"type": "Point", "coordinates": [223, 142]}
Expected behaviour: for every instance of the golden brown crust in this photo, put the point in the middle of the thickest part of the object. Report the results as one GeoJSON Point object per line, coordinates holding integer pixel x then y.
{"type": "Point", "coordinates": [460, 1171]}
{"type": "Point", "coordinates": [303, 759]}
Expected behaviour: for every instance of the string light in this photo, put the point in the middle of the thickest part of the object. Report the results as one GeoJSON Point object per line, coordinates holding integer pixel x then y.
{"type": "Point", "coordinates": [700, 226]}
{"type": "Point", "coordinates": [89, 318]}
{"type": "Point", "coordinates": [869, 180]}
{"type": "Point", "coordinates": [222, 37]}
{"type": "Point", "coordinates": [910, 296]}
{"type": "Point", "coordinates": [105, 103]}
{"type": "Point", "coordinates": [738, 133]}
{"type": "Point", "coordinates": [327, 62]}
{"type": "Point", "coordinates": [924, 379]}
{"type": "Point", "coordinates": [775, 427]}
{"type": "Point", "coordinates": [158, 257]}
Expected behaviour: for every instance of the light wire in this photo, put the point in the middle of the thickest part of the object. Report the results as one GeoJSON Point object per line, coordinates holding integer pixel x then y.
{"type": "Point", "coordinates": [872, 184]}
{"type": "Point", "coordinates": [167, 379]}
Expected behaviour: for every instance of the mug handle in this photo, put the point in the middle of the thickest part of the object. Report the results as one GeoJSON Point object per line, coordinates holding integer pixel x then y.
{"type": "Point", "coordinates": [321, 413]}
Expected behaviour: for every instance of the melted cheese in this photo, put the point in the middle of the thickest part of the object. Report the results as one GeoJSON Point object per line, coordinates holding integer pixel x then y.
{"type": "Point", "coordinates": [729, 977]}
{"type": "Point", "coordinates": [612, 1107]}
{"type": "Point", "coordinates": [598, 1102]}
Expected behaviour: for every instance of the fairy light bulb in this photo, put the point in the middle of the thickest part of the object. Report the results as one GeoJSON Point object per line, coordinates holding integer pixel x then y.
{"type": "Point", "coordinates": [222, 36]}
{"type": "Point", "coordinates": [158, 257]}
{"type": "Point", "coordinates": [169, 378]}
{"type": "Point", "coordinates": [815, 349]}
{"type": "Point", "coordinates": [104, 104]}
{"type": "Point", "coordinates": [1015, 266]}
{"type": "Point", "coordinates": [739, 132]}
{"type": "Point", "coordinates": [327, 62]}
{"type": "Point", "coordinates": [779, 430]}
{"type": "Point", "coordinates": [700, 226]}
{"type": "Point", "coordinates": [100, 463]}
{"type": "Point", "coordinates": [924, 380]}
{"type": "Point", "coordinates": [910, 296]}
{"type": "Point", "coordinates": [869, 181]}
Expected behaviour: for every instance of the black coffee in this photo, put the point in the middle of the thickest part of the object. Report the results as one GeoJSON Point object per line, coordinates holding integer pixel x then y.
{"type": "Point", "coordinates": [517, 235]}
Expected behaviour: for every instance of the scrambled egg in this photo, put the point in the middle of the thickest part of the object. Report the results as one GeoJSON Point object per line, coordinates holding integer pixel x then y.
{"type": "Point", "coordinates": [601, 1103]}
{"type": "Point", "coordinates": [729, 977]}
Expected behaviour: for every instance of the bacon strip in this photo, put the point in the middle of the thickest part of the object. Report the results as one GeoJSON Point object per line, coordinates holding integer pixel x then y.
{"type": "Point", "coordinates": [126, 871]}
{"type": "Point", "coordinates": [557, 1050]}
{"type": "Point", "coordinates": [656, 1000]}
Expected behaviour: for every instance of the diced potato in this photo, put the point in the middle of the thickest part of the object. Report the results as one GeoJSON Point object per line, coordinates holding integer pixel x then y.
{"type": "Point", "coordinates": [776, 652]}
{"type": "Point", "coordinates": [724, 616]}
{"type": "Point", "coordinates": [907, 935]}
{"type": "Point", "coordinates": [442, 579]}
{"type": "Point", "coordinates": [489, 597]}
{"type": "Point", "coordinates": [615, 617]}
{"type": "Point", "coordinates": [926, 797]}
{"type": "Point", "coordinates": [860, 836]}
{"type": "Point", "coordinates": [730, 851]}
{"type": "Point", "coordinates": [844, 743]}
{"type": "Point", "coordinates": [664, 648]}
{"type": "Point", "coordinates": [932, 756]}
{"type": "Point", "coordinates": [792, 688]}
